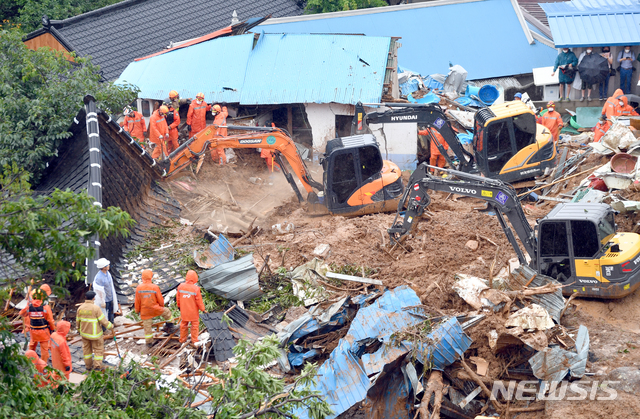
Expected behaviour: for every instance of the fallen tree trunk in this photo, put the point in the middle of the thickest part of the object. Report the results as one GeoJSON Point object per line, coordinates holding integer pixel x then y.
{"type": "Point", "coordinates": [434, 387]}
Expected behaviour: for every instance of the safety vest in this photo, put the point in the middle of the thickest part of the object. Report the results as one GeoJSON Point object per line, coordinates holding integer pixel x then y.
{"type": "Point", "coordinates": [37, 321]}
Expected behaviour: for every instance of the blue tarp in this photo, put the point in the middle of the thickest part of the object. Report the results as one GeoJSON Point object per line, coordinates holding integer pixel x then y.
{"type": "Point", "coordinates": [343, 379]}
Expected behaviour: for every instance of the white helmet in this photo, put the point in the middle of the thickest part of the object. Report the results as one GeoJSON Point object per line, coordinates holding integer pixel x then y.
{"type": "Point", "coordinates": [127, 110]}
{"type": "Point", "coordinates": [102, 262]}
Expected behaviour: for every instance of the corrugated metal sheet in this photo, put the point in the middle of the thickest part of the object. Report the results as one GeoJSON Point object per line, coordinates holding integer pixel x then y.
{"type": "Point", "coordinates": [479, 48]}
{"type": "Point", "coordinates": [303, 68]}
{"type": "Point", "coordinates": [553, 303]}
{"type": "Point", "coordinates": [236, 280]}
{"type": "Point", "coordinates": [218, 252]}
{"type": "Point", "coordinates": [581, 23]}
{"type": "Point", "coordinates": [216, 68]}
{"type": "Point", "coordinates": [553, 364]}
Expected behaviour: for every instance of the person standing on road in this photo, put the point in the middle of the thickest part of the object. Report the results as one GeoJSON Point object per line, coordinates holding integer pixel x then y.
{"type": "Point", "coordinates": [603, 86]}
{"type": "Point", "coordinates": [566, 61]}
{"type": "Point", "coordinates": [40, 322]}
{"type": "Point", "coordinates": [103, 286]}
{"type": "Point", "coordinates": [149, 303]}
{"type": "Point", "coordinates": [189, 301]}
{"type": "Point", "coordinates": [625, 60]}
{"type": "Point", "coordinates": [60, 353]}
{"type": "Point", "coordinates": [88, 320]}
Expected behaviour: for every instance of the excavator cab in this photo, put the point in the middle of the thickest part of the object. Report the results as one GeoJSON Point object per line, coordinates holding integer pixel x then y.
{"type": "Point", "coordinates": [356, 179]}
{"type": "Point", "coordinates": [509, 145]}
{"type": "Point", "coordinates": [578, 245]}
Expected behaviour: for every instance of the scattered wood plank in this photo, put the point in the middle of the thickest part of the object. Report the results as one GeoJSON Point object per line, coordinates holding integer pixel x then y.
{"type": "Point", "coordinates": [353, 278]}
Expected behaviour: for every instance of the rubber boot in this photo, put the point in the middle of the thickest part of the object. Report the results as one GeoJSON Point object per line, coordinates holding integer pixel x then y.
{"type": "Point", "coordinates": [169, 328]}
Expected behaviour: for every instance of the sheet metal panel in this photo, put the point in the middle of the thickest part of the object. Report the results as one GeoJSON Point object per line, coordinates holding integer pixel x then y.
{"type": "Point", "coordinates": [303, 68]}
{"type": "Point", "coordinates": [582, 23]}
{"type": "Point", "coordinates": [216, 68]}
{"type": "Point", "coordinates": [479, 48]}
{"type": "Point", "coordinates": [236, 280]}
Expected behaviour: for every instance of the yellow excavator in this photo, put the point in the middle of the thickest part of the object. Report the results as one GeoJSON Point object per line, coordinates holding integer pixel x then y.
{"type": "Point", "coordinates": [356, 181]}
{"type": "Point", "coordinates": [508, 144]}
{"type": "Point", "coordinates": [576, 243]}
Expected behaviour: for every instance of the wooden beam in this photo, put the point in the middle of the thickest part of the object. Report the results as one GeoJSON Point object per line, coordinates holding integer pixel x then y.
{"type": "Point", "coordinates": [354, 278]}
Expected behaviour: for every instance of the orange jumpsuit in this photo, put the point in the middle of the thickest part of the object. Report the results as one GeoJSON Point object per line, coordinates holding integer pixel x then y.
{"type": "Point", "coordinates": [173, 131]}
{"type": "Point", "coordinates": [436, 158]}
{"type": "Point", "coordinates": [149, 303]}
{"type": "Point", "coordinates": [134, 124]}
{"type": "Point", "coordinates": [553, 121]}
{"type": "Point", "coordinates": [609, 107]}
{"type": "Point", "coordinates": [197, 116]}
{"type": "Point", "coordinates": [189, 300]}
{"type": "Point", "coordinates": [625, 109]}
{"type": "Point", "coordinates": [217, 153]}
{"type": "Point", "coordinates": [60, 354]}
{"type": "Point", "coordinates": [40, 377]}
{"type": "Point", "coordinates": [158, 134]}
{"type": "Point", "coordinates": [41, 324]}
{"type": "Point", "coordinates": [600, 130]}
{"type": "Point", "coordinates": [267, 155]}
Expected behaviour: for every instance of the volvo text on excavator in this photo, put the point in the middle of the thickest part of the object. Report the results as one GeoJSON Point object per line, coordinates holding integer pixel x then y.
{"type": "Point", "coordinates": [576, 243]}
{"type": "Point", "coordinates": [508, 144]}
{"type": "Point", "coordinates": [356, 181]}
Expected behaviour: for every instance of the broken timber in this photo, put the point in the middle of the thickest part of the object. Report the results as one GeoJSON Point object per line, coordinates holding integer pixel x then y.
{"type": "Point", "coordinates": [353, 278]}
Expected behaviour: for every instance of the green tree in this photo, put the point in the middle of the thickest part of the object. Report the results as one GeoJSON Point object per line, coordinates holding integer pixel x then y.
{"type": "Point", "coordinates": [47, 233]}
{"type": "Point", "coordinates": [327, 6]}
{"type": "Point", "coordinates": [40, 93]}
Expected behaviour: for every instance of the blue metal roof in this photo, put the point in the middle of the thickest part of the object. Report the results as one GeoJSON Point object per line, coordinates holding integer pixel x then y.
{"type": "Point", "coordinates": [302, 68]}
{"type": "Point", "coordinates": [297, 68]}
{"type": "Point", "coordinates": [485, 37]}
{"type": "Point", "coordinates": [215, 67]}
{"type": "Point", "coordinates": [582, 23]}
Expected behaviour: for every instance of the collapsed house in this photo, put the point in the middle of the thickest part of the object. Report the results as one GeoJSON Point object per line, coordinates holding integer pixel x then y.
{"type": "Point", "coordinates": [129, 180]}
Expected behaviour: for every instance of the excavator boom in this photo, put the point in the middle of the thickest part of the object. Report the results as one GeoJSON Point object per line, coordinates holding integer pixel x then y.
{"type": "Point", "coordinates": [500, 197]}
{"type": "Point", "coordinates": [259, 137]}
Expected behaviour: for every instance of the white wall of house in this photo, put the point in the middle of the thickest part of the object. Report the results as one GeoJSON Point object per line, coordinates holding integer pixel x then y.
{"type": "Point", "coordinates": [398, 141]}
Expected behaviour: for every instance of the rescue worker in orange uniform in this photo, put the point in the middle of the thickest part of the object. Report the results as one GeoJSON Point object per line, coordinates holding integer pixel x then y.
{"type": "Point", "coordinates": [436, 158]}
{"type": "Point", "coordinates": [159, 132]}
{"type": "Point", "coordinates": [601, 129]}
{"type": "Point", "coordinates": [552, 120]}
{"type": "Point", "coordinates": [623, 108]}
{"type": "Point", "coordinates": [609, 107]}
{"type": "Point", "coordinates": [173, 120]}
{"type": "Point", "coordinates": [197, 115]}
{"type": "Point", "coordinates": [134, 124]}
{"type": "Point", "coordinates": [189, 300]}
{"type": "Point", "coordinates": [149, 303]}
{"type": "Point", "coordinates": [89, 320]}
{"type": "Point", "coordinates": [176, 102]}
{"type": "Point", "coordinates": [40, 321]}
{"type": "Point", "coordinates": [60, 353]}
{"type": "Point", "coordinates": [40, 377]}
{"type": "Point", "coordinates": [220, 119]}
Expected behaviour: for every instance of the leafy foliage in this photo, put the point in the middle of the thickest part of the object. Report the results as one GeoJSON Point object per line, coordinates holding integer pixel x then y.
{"type": "Point", "coordinates": [41, 92]}
{"type": "Point", "coordinates": [327, 6]}
{"type": "Point", "coordinates": [46, 233]}
{"type": "Point", "coordinates": [278, 290]}
{"type": "Point", "coordinates": [246, 390]}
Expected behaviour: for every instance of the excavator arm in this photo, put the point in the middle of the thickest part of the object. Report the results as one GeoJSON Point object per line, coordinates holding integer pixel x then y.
{"type": "Point", "coordinates": [259, 137]}
{"type": "Point", "coordinates": [500, 197]}
{"type": "Point", "coordinates": [425, 115]}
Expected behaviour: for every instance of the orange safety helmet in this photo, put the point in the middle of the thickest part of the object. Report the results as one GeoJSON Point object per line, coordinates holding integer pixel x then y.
{"type": "Point", "coordinates": [173, 94]}
{"type": "Point", "coordinates": [217, 108]}
{"type": "Point", "coordinates": [164, 109]}
{"type": "Point", "coordinates": [200, 96]}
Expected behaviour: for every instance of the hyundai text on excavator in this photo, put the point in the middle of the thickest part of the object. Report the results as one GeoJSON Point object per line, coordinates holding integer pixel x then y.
{"type": "Point", "coordinates": [508, 144]}
{"type": "Point", "coordinates": [356, 181]}
{"type": "Point", "coordinates": [576, 243]}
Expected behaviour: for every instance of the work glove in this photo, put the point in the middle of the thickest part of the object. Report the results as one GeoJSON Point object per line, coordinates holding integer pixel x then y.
{"type": "Point", "coordinates": [189, 128]}
{"type": "Point", "coordinates": [67, 368]}
{"type": "Point", "coordinates": [51, 330]}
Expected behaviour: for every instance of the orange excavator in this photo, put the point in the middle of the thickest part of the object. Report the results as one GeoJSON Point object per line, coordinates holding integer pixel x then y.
{"type": "Point", "coordinates": [356, 181]}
